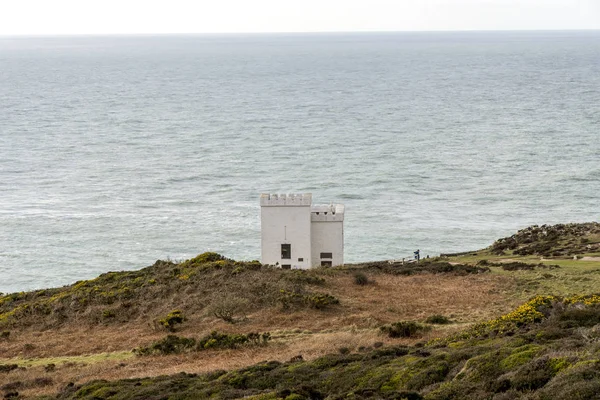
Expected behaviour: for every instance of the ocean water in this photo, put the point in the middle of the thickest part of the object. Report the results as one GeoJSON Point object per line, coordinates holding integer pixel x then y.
{"type": "Point", "coordinates": [117, 151]}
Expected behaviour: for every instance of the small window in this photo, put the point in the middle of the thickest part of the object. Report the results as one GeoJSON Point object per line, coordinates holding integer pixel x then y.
{"type": "Point", "coordinates": [286, 251]}
{"type": "Point", "coordinates": [326, 255]}
{"type": "Point", "coordinates": [326, 263]}
{"type": "Point", "coordinates": [286, 266]}
{"type": "Point", "coordinates": [300, 259]}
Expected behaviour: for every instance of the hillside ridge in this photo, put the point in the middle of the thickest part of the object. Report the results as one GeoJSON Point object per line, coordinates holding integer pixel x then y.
{"type": "Point", "coordinates": [402, 330]}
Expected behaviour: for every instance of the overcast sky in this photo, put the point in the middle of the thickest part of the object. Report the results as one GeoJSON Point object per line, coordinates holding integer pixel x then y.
{"type": "Point", "coordinates": [39, 17]}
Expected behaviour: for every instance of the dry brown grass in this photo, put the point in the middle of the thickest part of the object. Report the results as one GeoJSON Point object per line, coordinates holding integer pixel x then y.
{"type": "Point", "coordinates": [391, 298]}
{"type": "Point", "coordinates": [310, 333]}
{"type": "Point", "coordinates": [287, 344]}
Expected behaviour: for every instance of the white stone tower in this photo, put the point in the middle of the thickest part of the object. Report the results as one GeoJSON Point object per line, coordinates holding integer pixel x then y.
{"type": "Point", "coordinates": [296, 234]}
{"type": "Point", "coordinates": [327, 235]}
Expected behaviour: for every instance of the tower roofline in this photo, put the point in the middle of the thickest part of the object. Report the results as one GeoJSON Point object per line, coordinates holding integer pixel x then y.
{"type": "Point", "coordinates": [291, 200]}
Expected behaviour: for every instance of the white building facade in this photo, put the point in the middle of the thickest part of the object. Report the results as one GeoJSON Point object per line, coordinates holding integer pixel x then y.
{"type": "Point", "coordinates": [296, 234]}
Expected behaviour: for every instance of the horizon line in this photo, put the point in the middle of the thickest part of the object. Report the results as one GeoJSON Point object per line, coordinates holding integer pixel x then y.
{"type": "Point", "coordinates": [249, 33]}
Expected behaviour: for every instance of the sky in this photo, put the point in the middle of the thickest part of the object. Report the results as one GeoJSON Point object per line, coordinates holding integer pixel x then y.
{"type": "Point", "coordinates": [66, 17]}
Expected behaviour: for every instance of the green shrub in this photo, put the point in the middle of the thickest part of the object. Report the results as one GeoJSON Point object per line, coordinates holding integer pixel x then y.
{"type": "Point", "coordinates": [576, 317]}
{"type": "Point", "coordinates": [289, 298]}
{"type": "Point", "coordinates": [437, 319]}
{"type": "Point", "coordinates": [320, 300]}
{"type": "Point", "coordinates": [216, 340]}
{"type": "Point", "coordinates": [533, 375]}
{"type": "Point", "coordinates": [580, 382]}
{"type": "Point", "coordinates": [427, 376]}
{"type": "Point", "coordinates": [172, 344]}
{"type": "Point", "coordinates": [361, 279]}
{"type": "Point", "coordinates": [207, 257]}
{"type": "Point", "coordinates": [172, 319]}
{"type": "Point", "coordinates": [551, 333]}
{"type": "Point", "coordinates": [295, 396]}
{"type": "Point", "coordinates": [404, 329]}
{"type": "Point", "coordinates": [433, 266]}
{"type": "Point", "coordinates": [519, 357]}
{"type": "Point", "coordinates": [303, 277]}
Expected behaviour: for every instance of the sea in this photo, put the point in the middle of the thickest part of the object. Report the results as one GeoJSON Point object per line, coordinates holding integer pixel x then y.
{"type": "Point", "coordinates": [116, 151]}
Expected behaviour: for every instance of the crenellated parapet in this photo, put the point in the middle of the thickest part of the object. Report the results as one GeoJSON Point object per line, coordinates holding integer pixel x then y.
{"type": "Point", "coordinates": [331, 212]}
{"type": "Point", "coordinates": [279, 200]}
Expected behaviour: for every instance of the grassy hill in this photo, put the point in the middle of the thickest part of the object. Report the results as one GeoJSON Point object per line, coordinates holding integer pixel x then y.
{"type": "Point", "coordinates": [210, 316]}
{"type": "Point", "coordinates": [549, 348]}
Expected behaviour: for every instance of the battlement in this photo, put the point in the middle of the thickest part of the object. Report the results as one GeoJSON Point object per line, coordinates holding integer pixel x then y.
{"type": "Point", "coordinates": [330, 212]}
{"type": "Point", "coordinates": [292, 200]}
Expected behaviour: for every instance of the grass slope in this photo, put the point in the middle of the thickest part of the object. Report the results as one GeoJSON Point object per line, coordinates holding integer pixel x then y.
{"type": "Point", "coordinates": [86, 328]}
{"type": "Point", "coordinates": [549, 348]}
{"type": "Point", "coordinates": [62, 338]}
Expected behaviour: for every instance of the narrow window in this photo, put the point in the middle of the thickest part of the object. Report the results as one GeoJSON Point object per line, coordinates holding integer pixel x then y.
{"type": "Point", "coordinates": [286, 266]}
{"type": "Point", "coordinates": [326, 263]}
{"type": "Point", "coordinates": [326, 255]}
{"type": "Point", "coordinates": [300, 259]}
{"type": "Point", "coordinates": [286, 251]}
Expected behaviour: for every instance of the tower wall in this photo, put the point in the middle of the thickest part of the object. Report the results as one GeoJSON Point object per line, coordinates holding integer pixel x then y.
{"type": "Point", "coordinates": [327, 237]}
{"type": "Point", "coordinates": [285, 220]}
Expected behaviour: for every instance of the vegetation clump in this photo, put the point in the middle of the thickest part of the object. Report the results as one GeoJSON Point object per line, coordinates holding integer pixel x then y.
{"type": "Point", "coordinates": [304, 277]}
{"type": "Point", "coordinates": [204, 258]}
{"type": "Point", "coordinates": [437, 319]}
{"type": "Point", "coordinates": [172, 319]}
{"type": "Point", "coordinates": [173, 344]}
{"type": "Point", "coordinates": [404, 329]}
{"type": "Point", "coordinates": [534, 311]}
{"type": "Point", "coordinates": [361, 279]}
{"type": "Point", "coordinates": [432, 266]}
{"type": "Point", "coordinates": [517, 265]}
{"type": "Point", "coordinates": [216, 340]}
{"type": "Point", "coordinates": [319, 301]}
{"type": "Point", "coordinates": [551, 240]}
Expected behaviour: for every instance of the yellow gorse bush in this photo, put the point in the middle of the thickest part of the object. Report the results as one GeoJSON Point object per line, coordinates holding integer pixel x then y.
{"type": "Point", "coordinates": [525, 314]}
{"type": "Point", "coordinates": [588, 300]}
